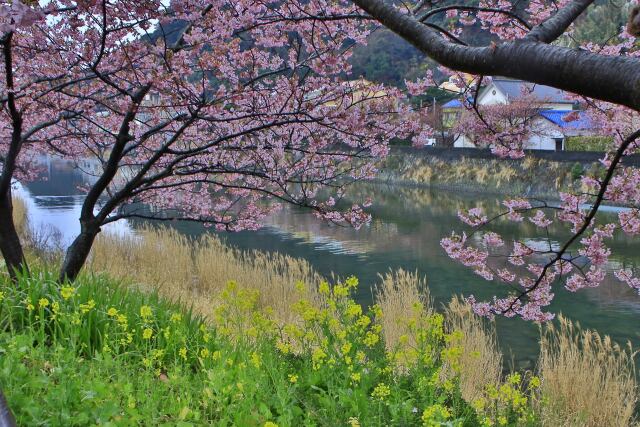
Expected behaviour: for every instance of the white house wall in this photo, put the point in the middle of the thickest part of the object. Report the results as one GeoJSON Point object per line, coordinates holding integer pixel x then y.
{"type": "Point", "coordinates": [544, 135]}
{"type": "Point", "coordinates": [463, 142]}
{"type": "Point", "coordinates": [492, 96]}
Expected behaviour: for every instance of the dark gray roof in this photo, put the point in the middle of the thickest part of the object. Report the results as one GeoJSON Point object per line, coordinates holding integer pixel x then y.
{"type": "Point", "coordinates": [514, 89]}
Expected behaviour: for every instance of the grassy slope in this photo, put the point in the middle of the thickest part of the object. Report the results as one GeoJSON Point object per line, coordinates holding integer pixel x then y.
{"type": "Point", "coordinates": [102, 352]}
{"type": "Point", "coordinates": [111, 356]}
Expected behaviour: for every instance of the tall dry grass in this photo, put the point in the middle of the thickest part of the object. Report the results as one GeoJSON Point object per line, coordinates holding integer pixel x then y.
{"type": "Point", "coordinates": [407, 308]}
{"type": "Point", "coordinates": [20, 216]}
{"type": "Point", "coordinates": [480, 360]}
{"type": "Point", "coordinates": [406, 312]}
{"type": "Point", "coordinates": [195, 271]}
{"type": "Point", "coordinates": [275, 276]}
{"type": "Point", "coordinates": [587, 380]}
{"type": "Point", "coordinates": [402, 296]}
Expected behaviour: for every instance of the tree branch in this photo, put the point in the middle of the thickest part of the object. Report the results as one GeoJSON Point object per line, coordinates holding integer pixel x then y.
{"type": "Point", "coordinates": [466, 8]}
{"type": "Point", "coordinates": [554, 27]}
{"type": "Point", "coordinates": [608, 78]}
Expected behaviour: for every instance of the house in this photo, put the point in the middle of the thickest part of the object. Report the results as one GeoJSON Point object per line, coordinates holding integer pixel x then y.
{"type": "Point", "coordinates": [359, 91]}
{"type": "Point", "coordinates": [556, 113]}
{"type": "Point", "coordinates": [505, 91]}
{"type": "Point", "coordinates": [453, 83]}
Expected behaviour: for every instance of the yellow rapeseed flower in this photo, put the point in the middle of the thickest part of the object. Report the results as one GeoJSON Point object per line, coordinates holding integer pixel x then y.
{"type": "Point", "coordinates": [204, 353]}
{"type": "Point", "coordinates": [146, 312]}
{"type": "Point", "coordinates": [176, 317]}
{"type": "Point", "coordinates": [67, 292]}
{"type": "Point", "coordinates": [147, 333]}
{"type": "Point", "coordinates": [351, 282]}
{"type": "Point", "coordinates": [514, 378]}
{"type": "Point", "coordinates": [183, 353]}
{"type": "Point", "coordinates": [534, 382]}
{"type": "Point", "coordinates": [353, 309]}
{"type": "Point", "coordinates": [363, 321]}
{"type": "Point", "coordinates": [435, 414]}
{"type": "Point", "coordinates": [255, 360]}
{"type": "Point", "coordinates": [85, 308]}
{"type": "Point", "coordinates": [113, 312]}
{"type": "Point", "coordinates": [122, 321]}
{"type": "Point", "coordinates": [43, 302]}
{"type": "Point", "coordinates": [381, 391]}
{"type": "Point", "coordinates": [376, 310]}
{"type": "Point", "coordinates": [323, 288]}
{"type": "Point", "coordinates": [270, 424]}
{"type": "Point", "coordinates": [317, 357]}
{"type": "Point", "coordinates": [371, 339]}
{"type": "Point", "coordinates": [340, 291]}
{"type": "Point", "coordinates": [293, 378]}
{"type": "Point", "coordinates": [346, 348]}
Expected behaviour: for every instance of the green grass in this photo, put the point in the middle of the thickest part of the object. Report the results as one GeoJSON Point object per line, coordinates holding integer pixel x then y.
{"type": "Point", "coordinates": [99, 353]}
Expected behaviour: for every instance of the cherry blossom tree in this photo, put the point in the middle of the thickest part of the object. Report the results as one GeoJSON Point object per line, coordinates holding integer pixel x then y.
{"type": "Point", "coordinates": [533, 41]}
{"type": "Point", "coordinates": [215, 112]}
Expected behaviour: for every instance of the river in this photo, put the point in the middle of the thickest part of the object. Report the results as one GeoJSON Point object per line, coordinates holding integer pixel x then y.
{"type": "Point", "coordinates": [405, 232]}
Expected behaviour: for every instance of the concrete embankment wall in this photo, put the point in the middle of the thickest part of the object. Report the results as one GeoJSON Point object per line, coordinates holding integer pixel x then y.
{"type": "Point", "coordinates": [447, 153]}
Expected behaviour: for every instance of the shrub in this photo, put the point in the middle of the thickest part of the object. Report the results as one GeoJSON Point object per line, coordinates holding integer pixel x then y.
{"type": "Point", "coordinates": [588, 143]}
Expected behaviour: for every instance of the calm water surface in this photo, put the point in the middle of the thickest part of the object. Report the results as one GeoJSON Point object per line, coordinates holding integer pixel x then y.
{"type": "Point", "coordinates": [405, 233]}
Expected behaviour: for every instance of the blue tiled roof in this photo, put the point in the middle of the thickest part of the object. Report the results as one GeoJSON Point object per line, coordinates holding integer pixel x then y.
{"type": "Point", "coordinates": [454, 103]}
{"type": "Point", "coordinates": [558, 117]}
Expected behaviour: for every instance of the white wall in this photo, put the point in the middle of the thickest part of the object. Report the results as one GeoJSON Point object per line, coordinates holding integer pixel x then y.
{"type": "Point", "coordinates": [542, 137]}
{"type": "Point", "coordinates": [492, 96]}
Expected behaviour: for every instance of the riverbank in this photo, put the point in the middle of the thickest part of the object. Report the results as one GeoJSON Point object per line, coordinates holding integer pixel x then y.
{"type": "Point", "coordinates": [202, 350]}
{"type": "Point", "coordinates": [102, 352]}
{"type": "Point", "coordinates": [538, 175]}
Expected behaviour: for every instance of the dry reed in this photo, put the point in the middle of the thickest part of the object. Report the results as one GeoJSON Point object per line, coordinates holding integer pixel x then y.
{"type": "Point", "coordinates": [480, 360]}
{"type": "Point", "coordinates": [587, 380]}
{"type": "Point", "coordinates": [402, 296]}
{"type": "Point", "coordinates": [20, 217]}
{"type": "Point", "coordinates": [195, 271]}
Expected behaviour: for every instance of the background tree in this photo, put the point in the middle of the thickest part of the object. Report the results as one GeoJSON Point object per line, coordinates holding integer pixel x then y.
{"type": "Point", "coordinates": [217, 115]}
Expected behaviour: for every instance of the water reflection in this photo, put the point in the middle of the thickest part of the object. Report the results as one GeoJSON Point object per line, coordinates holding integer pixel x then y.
{"type": "Point", "coordinates": [405, 232]}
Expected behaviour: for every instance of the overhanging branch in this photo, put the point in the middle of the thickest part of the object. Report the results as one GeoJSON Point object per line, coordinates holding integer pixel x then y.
{"type": "Point", "coordinates": [608, 78]}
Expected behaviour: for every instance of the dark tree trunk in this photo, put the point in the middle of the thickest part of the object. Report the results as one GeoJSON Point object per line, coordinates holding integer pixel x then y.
{"type": "Point", "coordinates": [78, 253]}
{"type": "Point", "coordinates": [6, 417]}
{"type": "Point", "coordinates": [10, 245]}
